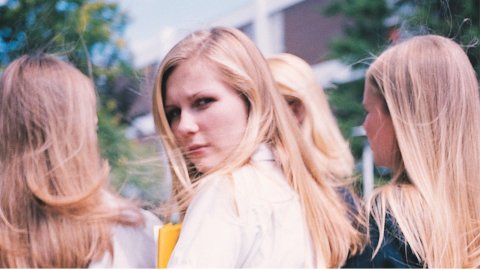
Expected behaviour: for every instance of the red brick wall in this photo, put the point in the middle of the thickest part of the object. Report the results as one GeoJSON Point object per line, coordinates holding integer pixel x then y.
{"type": "Point", "coordinates": [308, 31]}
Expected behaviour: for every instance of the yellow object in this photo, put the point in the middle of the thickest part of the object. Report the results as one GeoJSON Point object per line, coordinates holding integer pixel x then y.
{"type": "Point", "coordinates": [167, 238]}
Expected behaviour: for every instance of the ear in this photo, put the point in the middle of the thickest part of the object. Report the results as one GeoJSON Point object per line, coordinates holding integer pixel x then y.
{"type": "Point", "coordinates": [298, 110]}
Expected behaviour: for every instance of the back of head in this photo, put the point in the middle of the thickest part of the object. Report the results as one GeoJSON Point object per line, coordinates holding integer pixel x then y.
{"type": "Point", "coordinates": [51, 174]}
{"type": "Point", "coordinates": [48, 125]}
{"type": "Point", "coordinates": [431, 92]}
{"type": "Point", "coordinates": [295, 80]}
{"type": "Point", "coordinates": [245, 70]}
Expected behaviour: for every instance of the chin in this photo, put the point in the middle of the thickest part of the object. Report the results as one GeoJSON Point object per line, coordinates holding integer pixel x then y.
{"type": "Point", "coordinates": [202, 168]}
{"type": "Point", "coordinates": [205, 167]}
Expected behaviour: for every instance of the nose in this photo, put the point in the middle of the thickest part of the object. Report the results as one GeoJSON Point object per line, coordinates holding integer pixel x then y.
{"type": "Point", "coordinates": [187, 125]}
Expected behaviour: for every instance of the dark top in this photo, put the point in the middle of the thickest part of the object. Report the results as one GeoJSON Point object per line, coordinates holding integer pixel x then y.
{"type": "Point", "coordinates": [348, 197]}
{"type": "Point", "coordinates": [393, 252]}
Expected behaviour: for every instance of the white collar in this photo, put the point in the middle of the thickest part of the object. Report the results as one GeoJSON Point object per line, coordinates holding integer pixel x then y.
{"type": "Point", "coordinates": [263, 153]}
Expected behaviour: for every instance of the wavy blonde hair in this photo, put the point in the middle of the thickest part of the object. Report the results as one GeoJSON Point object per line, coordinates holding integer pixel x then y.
{"type": "Point", "coordinates": [269, 121]}
{"type": "Point", "coordinates": [295, 80]}
{"type": "Point", "coordinates": [431, 93]}
{"type": "Point", "coordinates": [53, 202]}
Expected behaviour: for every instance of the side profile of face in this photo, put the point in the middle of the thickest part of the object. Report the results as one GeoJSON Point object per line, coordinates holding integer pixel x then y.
{"type": "Point", "coordinates": [208, 118]}
{"type": "Point", "coordinates": [379, 127]}
{"type": "Point", "coordinates": [297, 108]}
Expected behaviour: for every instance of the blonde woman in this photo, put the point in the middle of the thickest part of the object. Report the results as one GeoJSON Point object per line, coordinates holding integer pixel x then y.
{"type": "Point", "coordinates": [246, 185]}
{"type": "Point", "coordinates": [296, 81]}
{"type": "Point", "coordinates": [55, 210]}
{"type": "Point", "coordinates": [423, 122]}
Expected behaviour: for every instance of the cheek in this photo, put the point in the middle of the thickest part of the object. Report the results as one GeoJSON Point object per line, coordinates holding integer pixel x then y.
{"type": "Point", "coordinates": [371, 126]}
{"type": "Point", "coordinates": [381, 136]}
{"type": "Point", "coordinates": [367, 125]}
{"type": "Point", "coordinates": [229, 128]}
{"type": "Point", "coordinates": [242, 118]}
{"type": "Point", "coordinates": [390, 138]}
{"type": "Point", "coordinates": [230, 115]}
{"type": "Point", "coordinates": [176, 134]}
{"type": "Point", "coordinates": [229, 123]}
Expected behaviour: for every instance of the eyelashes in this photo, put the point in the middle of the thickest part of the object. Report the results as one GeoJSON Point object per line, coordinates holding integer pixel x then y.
{"type": "Point", "coordinates": [172, 114]}
{"type": "Point", "coordinates": [198, 105]}
{"type": "Point", "coordinates": [203, 102]}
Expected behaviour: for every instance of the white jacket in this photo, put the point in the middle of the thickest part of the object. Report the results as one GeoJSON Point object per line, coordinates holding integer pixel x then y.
{"type": "Point", "coordinates": [133, 247]}
{"type": "Point", "coordinates": [253, 219]}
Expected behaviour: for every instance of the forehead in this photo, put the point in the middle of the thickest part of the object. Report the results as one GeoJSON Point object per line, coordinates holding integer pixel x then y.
{"type": "Point", "coordinates": [195, 68]}
{"type": "Point", "coordinates": [192, 76]}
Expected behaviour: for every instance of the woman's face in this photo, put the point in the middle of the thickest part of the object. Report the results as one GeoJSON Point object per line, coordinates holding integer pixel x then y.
{"type": "Point", "coordinates": [297, 107]}
{"type": "Point", "coordinates": [379, 128]}
{"type": "Point", "coordinates": [208, 118]}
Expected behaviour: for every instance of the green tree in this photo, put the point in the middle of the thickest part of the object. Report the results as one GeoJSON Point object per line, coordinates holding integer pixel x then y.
{"type": "Point", "coordinates": [89, 34]}
{"type": "Point", "coordinates": [372, 25]}
{"type": "Point", "coordinates": [458, 20]}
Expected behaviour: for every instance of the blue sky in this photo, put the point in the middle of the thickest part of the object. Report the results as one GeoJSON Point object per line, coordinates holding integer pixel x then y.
{"type": "Point", "coordinates": [154, 20]}
{"type": "Point", "coordinates": [155, 24]}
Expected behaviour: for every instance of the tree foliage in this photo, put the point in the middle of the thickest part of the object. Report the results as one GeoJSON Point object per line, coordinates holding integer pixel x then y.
{"type": "Point", "coordinates": [372, 25]}
{"type": "Point", "coordinates": [89, 34]}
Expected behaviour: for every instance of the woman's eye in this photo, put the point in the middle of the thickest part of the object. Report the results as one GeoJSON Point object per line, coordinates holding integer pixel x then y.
{"type": "Point", "coordinates": [202, 102]}
{"type": "Point", "coordinates": [172, 114]}
{"type": "Point", "coordinates": [364, 112]}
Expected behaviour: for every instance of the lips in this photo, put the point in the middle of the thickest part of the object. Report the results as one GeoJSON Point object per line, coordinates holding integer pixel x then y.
{"type": "Point", "coordinates": [196, 150]}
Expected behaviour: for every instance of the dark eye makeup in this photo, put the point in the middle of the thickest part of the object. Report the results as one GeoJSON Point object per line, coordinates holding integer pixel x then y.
{"type": "Point", "coordinates": [203, 102]}
{"type": "Point", "coordinates": [200, 103]}
{"type": "Point", "coordinates": [172, 113]}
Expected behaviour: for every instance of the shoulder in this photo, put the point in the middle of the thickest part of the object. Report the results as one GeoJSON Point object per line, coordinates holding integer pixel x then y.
{"type": "Point", "coordinates": [133, 246]}
{"type": "Point", "coordinates": [348, 197]}
{"type": "Point", "coordinates": [252, 190]}
{"type": "Point", "coordinates": [393, 252]}
{"type": "Point", "coordinates": [247, 194]}
{"type": "Point", "coordinates": [255, 179]}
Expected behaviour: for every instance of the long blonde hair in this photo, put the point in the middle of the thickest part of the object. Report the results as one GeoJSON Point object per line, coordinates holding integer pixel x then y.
{"type": "Point", "coordinates": [269, 121]}
{"type": "Point", "coordinates": [431, 92]}
{"type": "Point", "coordinates": [53, 202]}
{"type": "Point", "coordinates": [295, 80]}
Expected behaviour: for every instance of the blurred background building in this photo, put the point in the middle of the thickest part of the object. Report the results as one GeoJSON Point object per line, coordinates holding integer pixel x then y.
{"type": "Point", "coordinates": [120, 43]}
{"type": "Point", "coordinates": [293, 26]}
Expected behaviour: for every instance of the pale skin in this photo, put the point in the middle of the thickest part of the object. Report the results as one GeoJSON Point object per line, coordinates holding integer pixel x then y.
{"type": "Point", "coordinates": [379, 128]}
{"type": "Point", "coordinates": [208, 118]}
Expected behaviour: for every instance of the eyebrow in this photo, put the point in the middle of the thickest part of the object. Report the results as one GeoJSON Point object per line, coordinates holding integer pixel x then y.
{"type": "Point", "coordinates": [190, 97]}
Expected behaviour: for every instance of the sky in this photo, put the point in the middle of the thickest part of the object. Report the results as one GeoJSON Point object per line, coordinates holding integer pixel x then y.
{"type": "Point", "coordinates": [155, 24]}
